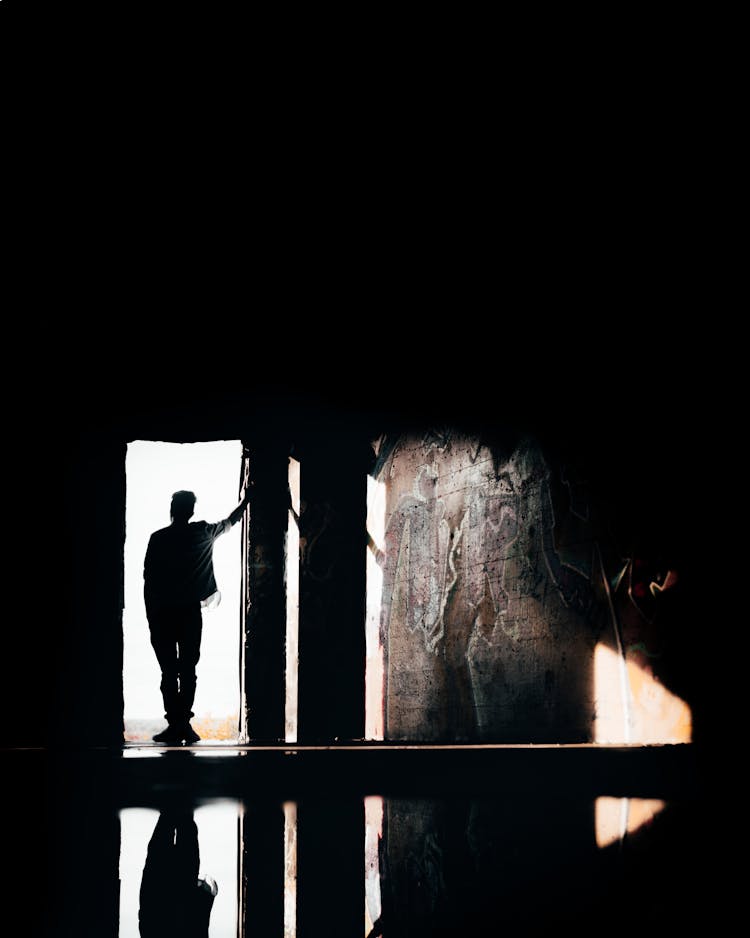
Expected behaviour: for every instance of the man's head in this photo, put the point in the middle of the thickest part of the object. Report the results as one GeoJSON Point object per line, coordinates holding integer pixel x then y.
{"type": "Point", "coordinates": [183, 506]}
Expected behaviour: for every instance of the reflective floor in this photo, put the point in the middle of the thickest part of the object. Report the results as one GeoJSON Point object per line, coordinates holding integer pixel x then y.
{"type": "Point", "coordinates": [137, 855]}
{"type": "Point", "coordinates": [172, 861]}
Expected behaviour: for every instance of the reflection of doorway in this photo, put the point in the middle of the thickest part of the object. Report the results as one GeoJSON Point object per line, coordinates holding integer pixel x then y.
{"type": "Point", "coordinates": [155, 470]}
{"type": "Point", "coordinates": [218, 832]}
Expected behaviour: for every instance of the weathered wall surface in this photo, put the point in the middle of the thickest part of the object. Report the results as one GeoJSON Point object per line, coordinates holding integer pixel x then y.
{"type": "Point", "coordinates": [509, 609]}
{"type": "Point", "coordinates": [490, 604]}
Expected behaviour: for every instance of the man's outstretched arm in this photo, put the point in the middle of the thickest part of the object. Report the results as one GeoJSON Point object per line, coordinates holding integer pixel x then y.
{"type": "Point", "coordinates": [235, 516]}
{"type": "Point", "coordinates": [221, 527]}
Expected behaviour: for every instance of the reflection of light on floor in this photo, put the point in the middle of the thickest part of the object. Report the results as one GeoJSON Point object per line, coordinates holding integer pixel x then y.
{"type": "Point", "coordinates": [201, 749]}
{"type": "Point", "coordinates": [374, 670]}
{"type": "Point", "coordinates": [633, 706]}
{"type": "Point", "coordinates": [373, 835]}
{"type": "Point", "coordinates": [617, 817]}
{"type": "Point", "coordinates": [290, 869]}
{"type": "Point", "coordinates": [292, 602]}
{"type": "Point", "coordinates": [218, 845]}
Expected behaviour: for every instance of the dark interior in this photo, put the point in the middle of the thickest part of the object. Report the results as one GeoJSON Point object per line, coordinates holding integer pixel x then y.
{"type": "Point", "coordinates": [481, 833]}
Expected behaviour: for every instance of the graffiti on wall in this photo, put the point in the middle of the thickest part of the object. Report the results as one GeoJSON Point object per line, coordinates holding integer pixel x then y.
{"type": "Point", "coordinates": [416, 560]}
{"type": "Point", "coordinates": [573, 584]}
{"type": "Point", "coordinates": [487, 529]}
{"type": "Point", "coordinates": [494, 565]}
{"type": "Point", "coordinates": [423, 558]}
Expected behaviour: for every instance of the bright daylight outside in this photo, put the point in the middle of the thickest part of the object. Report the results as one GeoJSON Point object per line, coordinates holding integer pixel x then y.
{"type": "Point", "coordinates": [154, 472]}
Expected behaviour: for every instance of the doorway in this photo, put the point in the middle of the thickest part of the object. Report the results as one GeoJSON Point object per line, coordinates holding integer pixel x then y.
{"type": "Point", "coordinates": [154, 471]}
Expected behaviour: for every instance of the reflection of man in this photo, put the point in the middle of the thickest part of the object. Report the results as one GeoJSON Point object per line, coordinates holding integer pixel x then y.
{"type": "Point", "coordinates": [173, 900]}
{"type": "Point", "coordinates": [178, 580]}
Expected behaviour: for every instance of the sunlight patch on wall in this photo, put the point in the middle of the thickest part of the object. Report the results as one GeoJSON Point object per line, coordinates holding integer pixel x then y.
{"type": "Point", "coordinates": [615, 818]}
{"type": "Point", "coordinates": [612, 699]}
{"type": "Point", "coordinates": [658, 716]}
{"type": "Point", "coordinates": [633, 706]}
{"type": "Point", "coordinates": [374, 665]}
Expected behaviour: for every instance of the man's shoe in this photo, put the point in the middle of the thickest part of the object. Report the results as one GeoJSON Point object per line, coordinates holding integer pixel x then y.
{"type": "Point", "coordinates": [189, 734]}
{"type": "Point", "coordinates": [170, 735]}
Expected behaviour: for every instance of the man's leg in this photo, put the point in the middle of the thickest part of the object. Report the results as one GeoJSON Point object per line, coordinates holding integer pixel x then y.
{"type": "Point", "coordinates": [164, 643]}
{"type": "Point", "coordinates": [170, 876]}
{"type": "Point", "coordinates": [189, 643]}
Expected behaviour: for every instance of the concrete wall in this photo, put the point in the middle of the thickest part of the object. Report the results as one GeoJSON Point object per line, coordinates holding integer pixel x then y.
{"type": "Point", "coordinates": [493, 590]}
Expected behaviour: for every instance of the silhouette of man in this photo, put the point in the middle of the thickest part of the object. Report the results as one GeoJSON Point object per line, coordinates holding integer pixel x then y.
{"type": "Point", "coordinates": [173, 901]}
{"type": "Point", "coordinates": [179, 580]}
